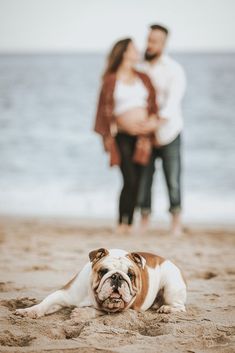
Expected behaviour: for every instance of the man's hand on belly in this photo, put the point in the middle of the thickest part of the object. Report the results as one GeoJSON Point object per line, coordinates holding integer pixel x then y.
{"type": "Point", "coordinates": [152, 125]}
{"type": "Point", "coordinates": [131, 127]}
{"type": "Point", "coordinates": [149, 126]}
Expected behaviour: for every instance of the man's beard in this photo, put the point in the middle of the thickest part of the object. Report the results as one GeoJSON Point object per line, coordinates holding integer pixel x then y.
{"type": "Point", "coordinates": [149, 56]}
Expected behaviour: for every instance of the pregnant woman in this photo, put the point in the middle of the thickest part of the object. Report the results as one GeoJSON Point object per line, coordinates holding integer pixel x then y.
{"type": "Point", "coordinates": [126, 119]}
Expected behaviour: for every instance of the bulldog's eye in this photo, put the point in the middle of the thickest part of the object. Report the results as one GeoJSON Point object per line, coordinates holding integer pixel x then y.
{"type": "Point", "coordinates": [103, 271]}
{"type": "Point", "coordinates": [130, 275]}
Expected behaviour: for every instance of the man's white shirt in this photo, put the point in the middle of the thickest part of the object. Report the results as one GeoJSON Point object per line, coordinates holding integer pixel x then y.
{"type": "Point", "coordinates": [169, 80]}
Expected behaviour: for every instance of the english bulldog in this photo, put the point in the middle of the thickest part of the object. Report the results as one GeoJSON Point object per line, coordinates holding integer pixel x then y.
{"type": "Point", "coordinates": [115, 280]}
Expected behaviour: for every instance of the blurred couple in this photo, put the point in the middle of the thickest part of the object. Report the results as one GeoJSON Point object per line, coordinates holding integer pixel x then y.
{"type": "Point", "coordinates": [139, 118]}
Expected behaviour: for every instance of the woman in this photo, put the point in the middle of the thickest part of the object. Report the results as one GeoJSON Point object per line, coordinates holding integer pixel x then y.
{"type": "Point", "coordinates": [126, 119]}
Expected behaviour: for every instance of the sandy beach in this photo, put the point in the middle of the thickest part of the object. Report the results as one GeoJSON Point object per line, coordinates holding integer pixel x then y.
{"type": "Point", "coordinates": [40, 255]}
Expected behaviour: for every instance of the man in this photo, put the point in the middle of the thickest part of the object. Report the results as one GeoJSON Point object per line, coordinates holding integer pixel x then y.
{"type": "Point", "coordinates": [169, 80]}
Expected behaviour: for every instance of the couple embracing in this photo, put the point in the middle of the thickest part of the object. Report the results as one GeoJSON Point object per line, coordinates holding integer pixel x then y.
{"type": "Point", "coordinates": [139, 118]}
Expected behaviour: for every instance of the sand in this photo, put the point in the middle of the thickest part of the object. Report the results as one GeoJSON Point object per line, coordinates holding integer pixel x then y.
{"type": "Point", "coordinates": [40, 255]}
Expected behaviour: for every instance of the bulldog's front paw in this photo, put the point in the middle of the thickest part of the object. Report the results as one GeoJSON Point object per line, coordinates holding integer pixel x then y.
{"type": "Point", "coordinates": [167, 309]}
{"type": "Point", "coordinates": [32, 312]}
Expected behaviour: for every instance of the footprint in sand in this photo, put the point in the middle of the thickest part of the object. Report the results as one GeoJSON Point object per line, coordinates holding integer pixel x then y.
{"type": "Point", "coordinates": [38, 268]}
{"type": "Point", "coordinates": [206, 275]}
{"type": "Point", "coordinates": [7, 286]}
{"type": "Point", "coordinates": [230, 272]}
{"type": "Point", "coordinates": [9, 339]}
{"type": "Point", "coordinates": [71, 330]}
{"type": "Point", "coordinates": [155, 330]}
{"type": "Point", "coordinates": [13, 304]}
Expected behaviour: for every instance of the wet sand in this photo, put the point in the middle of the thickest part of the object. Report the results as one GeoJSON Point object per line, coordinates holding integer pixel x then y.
{"type": "Point", "coordinates": [40, 255]}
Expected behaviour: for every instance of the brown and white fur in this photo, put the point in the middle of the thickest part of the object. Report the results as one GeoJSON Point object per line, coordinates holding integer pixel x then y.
{"type": "Point", "coordinates": [115, 280]}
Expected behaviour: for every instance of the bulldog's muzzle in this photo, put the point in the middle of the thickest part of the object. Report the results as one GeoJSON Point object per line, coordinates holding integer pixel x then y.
{"type": "Point", "coordinates": [115, 291]}
{"type": "Point", "coordinates": [116, 280]}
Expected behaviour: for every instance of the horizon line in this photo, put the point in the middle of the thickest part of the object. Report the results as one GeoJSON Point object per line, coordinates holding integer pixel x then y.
{"type": "Point", "coordinates": [103, 52]}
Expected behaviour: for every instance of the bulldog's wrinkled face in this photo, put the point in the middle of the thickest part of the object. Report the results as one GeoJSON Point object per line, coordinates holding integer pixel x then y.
{"type": "Point", "coordinates": [115, 278]}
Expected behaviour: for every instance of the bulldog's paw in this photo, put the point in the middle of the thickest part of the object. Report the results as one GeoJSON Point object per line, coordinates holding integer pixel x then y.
{"type": "Point", "coordinates": [32, 312]}
{"type": "Point", "coordinates": [167, 309]}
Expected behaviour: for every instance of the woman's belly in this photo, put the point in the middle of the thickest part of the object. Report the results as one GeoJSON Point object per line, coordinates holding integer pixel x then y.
{"type": "Point", "coordinates": [127, 121]}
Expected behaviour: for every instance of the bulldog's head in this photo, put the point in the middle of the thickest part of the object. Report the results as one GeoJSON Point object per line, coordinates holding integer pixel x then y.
{"type": "Point", "coordinates": [115, 278]}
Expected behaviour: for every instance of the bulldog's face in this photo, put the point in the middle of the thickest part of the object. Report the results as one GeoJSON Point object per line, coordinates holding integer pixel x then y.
{"type": "Point", "coordinates": [116, 278]}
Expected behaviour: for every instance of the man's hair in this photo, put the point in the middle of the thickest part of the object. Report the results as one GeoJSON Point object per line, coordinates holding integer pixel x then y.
{"type": "Point", "coordinates": [159, 27]}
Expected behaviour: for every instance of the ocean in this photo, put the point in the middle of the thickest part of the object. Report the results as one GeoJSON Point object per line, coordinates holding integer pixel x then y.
{"type": "Point", "coordinates": [53, 164]}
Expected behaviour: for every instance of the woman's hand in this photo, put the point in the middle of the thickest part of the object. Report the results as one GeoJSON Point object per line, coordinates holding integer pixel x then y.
{"type": "Point", "coordinates": [107, 142]}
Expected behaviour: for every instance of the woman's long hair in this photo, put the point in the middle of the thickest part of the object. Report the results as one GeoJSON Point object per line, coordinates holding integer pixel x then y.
{"type": "Point", "coordinates": [115, 57]}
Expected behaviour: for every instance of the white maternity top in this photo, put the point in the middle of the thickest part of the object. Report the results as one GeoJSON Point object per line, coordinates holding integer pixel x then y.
{"type": "Point", "coordinates": [128, 96]}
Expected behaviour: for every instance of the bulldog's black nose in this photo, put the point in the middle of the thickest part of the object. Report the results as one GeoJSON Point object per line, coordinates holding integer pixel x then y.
{"type": "Point", "coordinates": [116, 280]}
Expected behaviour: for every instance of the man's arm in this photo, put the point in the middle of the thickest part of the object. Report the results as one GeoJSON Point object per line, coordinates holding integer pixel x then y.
{"type": "Point", "coordinates": [175, 94]}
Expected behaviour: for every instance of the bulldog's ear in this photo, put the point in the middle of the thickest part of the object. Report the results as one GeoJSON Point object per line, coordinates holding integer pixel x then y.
{"type": "Point", "coordinates": [138, 259]}
{"type": "Point", "coordinates": [96, 255]}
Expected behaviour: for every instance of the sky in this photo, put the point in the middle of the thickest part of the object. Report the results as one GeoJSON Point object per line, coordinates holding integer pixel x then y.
{"type": "Point", "coordinates": [94, 25]}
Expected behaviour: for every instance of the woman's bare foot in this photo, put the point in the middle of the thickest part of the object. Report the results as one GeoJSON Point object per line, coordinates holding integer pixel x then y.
{"type": "Point", "coordinates": [176, 226]}
{"type": "Point", "coordinates": [124, 229]}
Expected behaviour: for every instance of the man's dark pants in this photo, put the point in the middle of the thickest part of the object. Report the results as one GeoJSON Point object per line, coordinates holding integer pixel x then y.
{"type": "Point", "coordinates": [170, 155]}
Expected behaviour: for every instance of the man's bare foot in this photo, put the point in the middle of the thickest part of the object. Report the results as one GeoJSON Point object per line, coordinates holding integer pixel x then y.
{"type": "Point", "coordinates": [176, 226]}
{"type": "Point", "coordinates": [144, 223]}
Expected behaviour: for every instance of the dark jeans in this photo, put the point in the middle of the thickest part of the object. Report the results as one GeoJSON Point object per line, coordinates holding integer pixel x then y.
{"type": "Point", "coordinates": [131, 173]}
{"type": "Point", "coordinates": [171, 163]}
